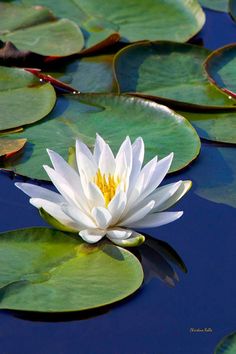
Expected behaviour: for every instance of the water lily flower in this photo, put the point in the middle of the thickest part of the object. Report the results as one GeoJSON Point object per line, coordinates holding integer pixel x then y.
{"type": "Point", "coordinates": [107, 195]}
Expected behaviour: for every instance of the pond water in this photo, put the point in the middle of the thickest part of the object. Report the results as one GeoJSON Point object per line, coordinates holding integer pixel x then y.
{"type": "Point", "coordinates": [188, 318]}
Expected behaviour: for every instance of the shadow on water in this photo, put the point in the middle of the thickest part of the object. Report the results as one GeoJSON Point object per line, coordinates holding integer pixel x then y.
{"type": "Point", "coordinates": [158, 259]}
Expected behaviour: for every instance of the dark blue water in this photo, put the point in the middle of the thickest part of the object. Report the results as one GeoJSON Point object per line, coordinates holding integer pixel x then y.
{"type": "Point", "coordinates": [158, 319]}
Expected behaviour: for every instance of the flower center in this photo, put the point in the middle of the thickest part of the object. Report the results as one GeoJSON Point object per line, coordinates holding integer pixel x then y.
{"type": "Point", "coordinates": [107, 185]}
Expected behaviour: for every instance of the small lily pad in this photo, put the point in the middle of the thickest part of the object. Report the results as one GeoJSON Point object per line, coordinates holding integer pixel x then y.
{"type": "Point", "coordinates": [220, 126]}
{"type": "Point", "coordinates": [87, 74]}
{"type": "Point", "coordinates": [112, 116]}
{"type": "Point", "coordinates": [221, 68]}
{"type": "Point", "coordinates": [35, 29]}
{"type": "Point", "coordinates": [46, 270]}
{"type": "Point", "coordinates": [23, 99]}
{"type": "Point", "coordinates": [217, 5]}
{"type": "Point", "coordinates": [10, 147]}
{"type": "Point", "coordinates": [232, 9]}
{"type": "Point", "coordinates": [227, 345]}
{"type": "Point", "coordinates": [168, 72]}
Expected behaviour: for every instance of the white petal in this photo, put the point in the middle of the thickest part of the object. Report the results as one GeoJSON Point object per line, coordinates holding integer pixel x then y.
{"type": "Point", "coordinates": [102, 217]}
{"type": "Point", "coordinates": [119, 233]}
{"type": "Point", "coordinates": [161, 196]}
{"type": "Point", "coordinates": [72, 195]}
{"type": "Point", "coordinates": [77, 215]}
{"type": "Point", "coordinates": [161, 169]}
{"type": "Point", "coordinates": [99, 146]}
{"type": "Point", "coordinates": [141, 182]}
{"type": "Point", "coordinates": [55, 211]}
{"type": "Point", "coordinates": [107, 162]}
{"type": "Point", "coordinates": [157, 219]}
{"type": "Point", "coordinates": [70, 176]}
{"type": "Point", "coordinates": [138, 215]}
{"type": "Point", "coordinates": [81, 147]}
{"type": "Point", "coordinates": [133, 241]}
{"type": "Point", "coordinates": [39, 192]}
{"type": "Point", "coordinates": [180, 192]}
{"type": "Point", "coordinates": [117, 206]}
{"type": "Point", "coordinates": [86, 166]}
{"type": "Point", "coordinates": [94, 196]}
{"type": "Point", "coordinates": [124, 158]}
{"type": "Point", "coordinates": [138, 156]}
{"type": "Point", "coordinates": [92, 235]}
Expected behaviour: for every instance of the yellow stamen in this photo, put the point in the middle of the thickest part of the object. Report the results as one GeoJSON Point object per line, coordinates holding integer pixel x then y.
{"type": "Point", "coordinates": [107, 185]}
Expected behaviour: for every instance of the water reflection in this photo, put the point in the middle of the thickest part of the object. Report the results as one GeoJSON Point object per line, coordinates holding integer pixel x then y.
{"type": "Point", "coordinates": [158, 259]}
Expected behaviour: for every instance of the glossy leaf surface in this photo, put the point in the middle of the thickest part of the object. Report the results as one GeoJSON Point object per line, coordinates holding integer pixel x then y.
{"type": "Point", "coordinates": [48, 271]}
{"type": "Point", "coordinates": [33, 29]}
{"type": "Point", "coordinates": [23, 99]}
{"type": "Point", "coordinates": [88, 74]}
{"type": "Point", "coordinates": [217, 5]}
{"type": "Point", "coordinates": [220, 126]}
{"type": "Point", "coordinates": [221, 67]}
{"type": "Point", "coordinates": [171, 72]}
{"type": "Point", "coordinates": [227, 345]}
{"type": "Point", "coordinates": [114, 117]}
{"type": "Point", "coordinates": [134, 20]}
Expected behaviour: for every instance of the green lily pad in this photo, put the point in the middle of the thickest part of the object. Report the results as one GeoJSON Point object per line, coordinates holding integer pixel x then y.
{"type": "Point", "coordinates": [23, 99]}
{"type": "Point", "coordinates": [134, 20]}
{"type": "Point", "coordinates": [113, 117]}
{"type": "Point", "coordinates": [35, 29]}
{"type": "Point", "coordinates": [220, 126]}
{"type": "Point", "coordinates": [168, 72]}
{"type": "Point", "coordinates": [88, 74]}
{"type": "Point", "coordinates": [46, 270]}
{"type": "Point", "coordinates": [227, 345]}
{"type": "Point", "coordinates": [232, 9]}
{"type": "Point", "coordinates": [9, 146]}
{"type": "Point", "coordinates": [220, 66]}
{"type": "Point", "coordinates": [217, 5]}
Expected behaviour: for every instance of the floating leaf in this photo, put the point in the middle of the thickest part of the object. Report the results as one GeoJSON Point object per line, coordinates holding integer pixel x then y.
{"type": "Point", "coordinates": [227, 345]}
{"type": "Point", "coordinates": [10, 147]}
{"type": "Point", "coordinates": [23, 99]}
{"type": "Point", "coordinates": [114, 117]}
{"type": "Point", "coordinates": [35, 29]}
{"type": "Point", "coordinates": [168, 72]}
{"type": "Point", "coordinates": [217, 5]}
{"type": "Point", "coordinates": [232, 9]}
{"type": "Point", "coordinates": [46, 270]}
{"type": "Point", "coordinates": [220, 126]}
{"type": "Point", "coordinates": [88, 74]}
{"type": "Point", "coordinates": [220, 66]}
{"type": "Point", "coordinates": [134, 20]}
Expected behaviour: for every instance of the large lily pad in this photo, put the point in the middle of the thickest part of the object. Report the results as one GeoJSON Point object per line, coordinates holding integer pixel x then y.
{"type": "Point", "coordinates": [88, 74]}
{"type": "Point", "coordinates": [217, 5]}
{"type": "Point", "coordinates": [23, 99]}
{"type": "Point", "coordinates": [227, 345]}
{"type": "Point", "coordinates": [46, 270]}
{"type": "Point", "coordinates": [114, 117]}
{"type": "Point", "coordinates": [32, 29]}
{"type": "Point", "coordinates": [220, 126]}
{"type": "Point", "coordinates": [134, 20]}
{"type": "Point", "coordinates": [220, 66]}
{"type": "Point", "coordinates": [168, 72]}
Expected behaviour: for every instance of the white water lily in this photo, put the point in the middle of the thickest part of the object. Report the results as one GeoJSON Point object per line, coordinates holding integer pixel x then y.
{"type": "Point", "coordinates": [106, 195]}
